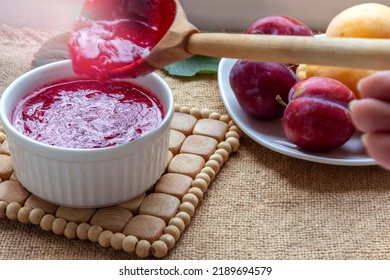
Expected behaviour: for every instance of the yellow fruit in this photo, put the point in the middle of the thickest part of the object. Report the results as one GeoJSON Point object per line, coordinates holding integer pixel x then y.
{"type": "Point", "coordinates": [348, 76]}
{"type": "Point", "coordinates": [370, 20]}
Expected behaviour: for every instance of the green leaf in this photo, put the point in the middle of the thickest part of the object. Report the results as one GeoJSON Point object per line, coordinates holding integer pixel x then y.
{"type": "Point", "coordinates": [194, 65]}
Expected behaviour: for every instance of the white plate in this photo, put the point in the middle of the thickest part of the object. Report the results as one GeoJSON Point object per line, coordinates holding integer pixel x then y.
{"type": "Point", "coordinates": [271, 134]}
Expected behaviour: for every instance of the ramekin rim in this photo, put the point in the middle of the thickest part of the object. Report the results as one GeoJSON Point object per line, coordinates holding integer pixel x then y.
{"type": "Point", "coordinates": [51, 148]}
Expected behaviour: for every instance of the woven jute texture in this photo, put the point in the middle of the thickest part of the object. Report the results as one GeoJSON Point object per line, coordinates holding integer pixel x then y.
{"type": "Point", "coordinates": [262, 205]}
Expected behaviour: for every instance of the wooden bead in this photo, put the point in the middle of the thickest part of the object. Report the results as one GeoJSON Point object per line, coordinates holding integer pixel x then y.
{"type": "Point", "coordinates": [82, 231]}
{"type": "Point", "coordinates": [234, 142]}
{"type": "Point", "coordinates": [2, 137]}
{"type": "Point", "coordinates": [169, 158]}
{"type": "Point", "coordinates": [200, 184]}
{"type": "Point", "coordinates": [185, 110]}
{"type": "Point", "coordinates": [186, 164]}
{"type": "Point", "coordinates": [6, 168]}
{"type": "Point", "coordinates": [205, 113]}
{"type": "Point", "coordinates": [3, 152]}
{"type": "Point", "coordinates": [187, 207]}
{"type": "Point", "coordinates": [94, 232]}
{"type": "Point", "coordinates": [77, 215]}
{"type": "Point", "coordinates": [209, 171]}
{"type": "Point", "coordinates": [196, 113]}
{"type": "Point", "coordinates": [133, 204]}
{"type": "Point", "coordinates": [159, 249]}
{"type": "Point", "coordinates": [70, 230]}
{"type": "Point", "coordinates": [177, 108]}
{"type": "Point", "coordinates": [236, 129]}
{"type": "Point", "coordinates": [218, 158]}
{"type": "Point", "coordinates": [142, 248]}
{"type": "Point", "coordinates": [2, 129]}
{"type": "Point", "coordinates": [226, 146]}
{"type": "Point", "coordinates": [47, 222]}
{"type": "Point", "coordinates": [4, 149]}
{"type": "Point", "coordinates": [205, 177]}
{"type": "Point", "coordinates": [13, 191]}
{"type": "Point", "coordinates": [36, 202]}
{"type": "Point", "coordinates": [145, 227]}
{"type": "Point", "coordinates": [112, 218]}
{"type": "Point", "coordinates": [185, 217]}
{"type": "Point", "coordinates": [191, 198]}
{"type": "Point", "coordinates": [214, 165]}
{"type": "Point", "coordinates": [160, 205]}
{"type": "Point", "coordinates": [117, 240]}
{"type": "Point", "coordinates": [36, 216]}
{"type": "Point", "coordinates": [173, 184]}
{"type": "Point", "coordinates": [24, 214]}
{"type": "Point", "coordinates": [168, 240]}
{"type": "Point", "coordinates": [201, 145]}
{"type": "Point", "coordinates": [58, 226]}
{"type": "Point", "coordinates": [176, 139]}
{"type": "Point", "coordinates": [225, 118]}
{"type": "Point", "coordinates": [224, 153]}
{"type": "Point", "coordinates": [184, 123]}
{"type": "Point", "coordinates": [12, 210]}
{"type": "Point", "coordinates": [172, 230]}
{"type": "Point", "coordinates": [177, 222]}
{"type": "Point", "coordinates": [233, 134]}
{"type": "Point", "coordinates": [3, 207]}
{"type": "Point", "coordinates": [211, 128]}
{"type": "Point", "coordinates": [105, 238]}
{"type": "Point", "coordinates": [129, 243]}
{"type": "Point", "coordinates": [197, 192]}
{"type": "Point", "coordinates": [215, 116]}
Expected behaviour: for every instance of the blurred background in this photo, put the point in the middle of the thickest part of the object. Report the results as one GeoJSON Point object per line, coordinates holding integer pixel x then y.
{"type": "Point", "coordinates": [52, 14]}
{"type": "Point", "coordinates": [213, 15]}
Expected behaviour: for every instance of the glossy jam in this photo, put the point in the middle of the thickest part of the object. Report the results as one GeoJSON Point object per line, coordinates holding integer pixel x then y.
{"type": "Point", "coordinates": [110, 35]}
{"type": "Point", "coordinates": [87, 114]}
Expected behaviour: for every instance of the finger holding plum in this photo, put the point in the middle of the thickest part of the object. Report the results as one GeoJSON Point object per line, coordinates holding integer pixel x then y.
{"type": "Point", "coordinates": [371, 115]}
{"type": "Point", "coordinates": [378, 147]}
{"type": "Point", "coordinates": [373, 108]}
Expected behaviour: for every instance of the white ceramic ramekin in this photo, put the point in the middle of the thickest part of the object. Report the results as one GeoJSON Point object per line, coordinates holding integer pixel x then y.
{"type": "Point", "coordinates": [86, 177]}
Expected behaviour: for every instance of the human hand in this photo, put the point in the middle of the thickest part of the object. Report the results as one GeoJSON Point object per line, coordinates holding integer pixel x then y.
{"type": "Point", "coordinates": [371, 115]}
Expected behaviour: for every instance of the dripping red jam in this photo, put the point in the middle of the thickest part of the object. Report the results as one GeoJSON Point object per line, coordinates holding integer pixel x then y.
{"type": "Point", "coordinates": [110, 35]}
{"type": "Point", "coordinates": [86, 114]}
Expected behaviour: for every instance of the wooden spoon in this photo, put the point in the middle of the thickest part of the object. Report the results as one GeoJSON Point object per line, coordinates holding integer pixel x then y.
{"type": "Point", "coordinates": [183, 40]}
{"type": "Point", "coordinates": [331, 51]}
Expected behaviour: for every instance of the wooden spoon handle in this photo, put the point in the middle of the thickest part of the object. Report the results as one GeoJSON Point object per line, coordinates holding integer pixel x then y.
{"type": "Point", "coordinates": [343, 52]}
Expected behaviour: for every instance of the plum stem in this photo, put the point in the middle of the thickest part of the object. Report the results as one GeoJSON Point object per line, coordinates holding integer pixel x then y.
{"type": "Point", "coordinates": [280, 100]}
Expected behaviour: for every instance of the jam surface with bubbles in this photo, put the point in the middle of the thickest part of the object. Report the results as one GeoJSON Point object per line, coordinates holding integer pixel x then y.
{"type": "Point", "coordinates": [85, 114]}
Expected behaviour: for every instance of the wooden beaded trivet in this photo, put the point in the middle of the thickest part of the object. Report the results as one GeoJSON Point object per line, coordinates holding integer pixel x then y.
{"type": "Point", "coordinates": [151, 224]}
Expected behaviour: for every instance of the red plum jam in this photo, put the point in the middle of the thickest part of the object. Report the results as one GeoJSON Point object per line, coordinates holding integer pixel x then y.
{"type": "Point", "coordinates": [85, 113]}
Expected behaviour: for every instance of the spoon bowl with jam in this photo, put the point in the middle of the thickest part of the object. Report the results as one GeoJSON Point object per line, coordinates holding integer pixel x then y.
{"type": "Point", "coordinates": [129, 38]}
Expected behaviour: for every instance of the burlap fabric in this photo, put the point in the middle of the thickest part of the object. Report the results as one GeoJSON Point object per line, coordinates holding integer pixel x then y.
{"type": "Point", "coordinates": [262, 205]}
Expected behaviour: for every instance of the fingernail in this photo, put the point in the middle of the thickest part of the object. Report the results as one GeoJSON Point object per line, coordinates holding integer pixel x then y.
{"type": "Point", "coordinates": [352, 104]}
{"type": "Point", "coordinates": [364, 139]}
{"type": "Point", "coordinates": [359, 85]}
